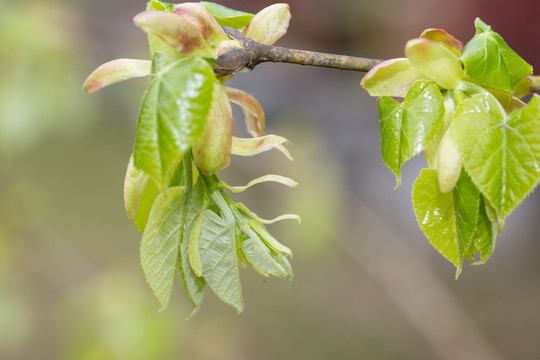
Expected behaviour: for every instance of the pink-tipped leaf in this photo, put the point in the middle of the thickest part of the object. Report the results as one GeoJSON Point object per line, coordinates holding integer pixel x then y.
{"type": "Point", "coordinates": [115, 71]}
{"type": "Point", "coordinates": [175, 31]}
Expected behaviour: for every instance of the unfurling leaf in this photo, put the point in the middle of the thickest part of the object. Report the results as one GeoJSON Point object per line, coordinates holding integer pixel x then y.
{"type": "Point", "coordinates": [115, 71]}
{"type": "Point", "coordinates": [490, 61]}
{"type": "Point", "coordinates": [409, 127]}
{"type": "Point", "coordinates": [190, 266]}
{"type": "Point", "coordinates": [501, 153]}
{"type": "Point", "coordinates": [180, 33]}
{"type": "Point", "coordinates": [272, 243]}
{"type": "Point", "coordinates": [448, 220]}
{"type": "Point", "coordinates": [212, 151]}
{"type": "Point", "coordinates": [435, 62]}
{"type": "Point", "coordinates": [391, 78]}
{"type": "Point", "coordinates": [217, 248]}
{"type": "Point", "coordinates": [254, 146]}
{"type": "Point", "coordinates": [253, 111]}
{"type": "Point", "coordinates": [269, 24]}
{"type": "Point", "coordinates": [160, 243]}
{"type": "Point", "coordinates": [228, 17]}
{"type": "Point", "coordinates": [134, 185]}
{"type": "Point", "coordinates": [259, 256]}
{"type": "Point", "coordinates": [485, 235]}
{"type": "Point", "coordinates": [173, 114]}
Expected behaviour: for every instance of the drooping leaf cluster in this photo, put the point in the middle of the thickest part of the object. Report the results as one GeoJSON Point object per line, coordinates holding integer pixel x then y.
{"type": "Point", "coordinates": [461, 106]}
{"type": "Point", "coordinates": [190, 227]}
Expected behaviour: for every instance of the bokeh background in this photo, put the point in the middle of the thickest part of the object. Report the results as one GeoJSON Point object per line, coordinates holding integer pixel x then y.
{"type": "Point", "coordinates": [367, 283]}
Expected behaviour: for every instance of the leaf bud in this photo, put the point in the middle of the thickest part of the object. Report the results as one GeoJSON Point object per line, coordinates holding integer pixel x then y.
{"type": "Point", "coordinates": [212, 152]}
{"type": "Point", "coordinates": [269, 24]}
{"type": "Point", "coordinates": [448, 163]}
{"type": "Point", "coordinates": [230, 56]}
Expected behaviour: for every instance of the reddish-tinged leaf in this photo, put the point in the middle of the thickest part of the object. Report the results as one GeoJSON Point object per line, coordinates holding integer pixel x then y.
{"type": "Point", "coordinates": [445, 39]}
{"type": "Point", "coordinates": [253, 111]}
{"type": "Point", "coordinates": [175, 31]}
{"type": "Point", "coordinates": [115, 71]}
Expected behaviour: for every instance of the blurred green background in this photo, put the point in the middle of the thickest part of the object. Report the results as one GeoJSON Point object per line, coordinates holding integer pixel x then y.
{"type": "Point", "coordinates": [367, 283]}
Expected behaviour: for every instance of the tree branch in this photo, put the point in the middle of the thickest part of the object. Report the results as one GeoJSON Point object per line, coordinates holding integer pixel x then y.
{"type": "Point", "coordinates": [255, 53]}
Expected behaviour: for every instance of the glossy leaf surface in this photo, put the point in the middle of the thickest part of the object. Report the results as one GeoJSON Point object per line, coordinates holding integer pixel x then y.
{"type": "Point", "coordinates": [490, 61]}
{"type": "Point", "coordinates": [408, 128]}
{"type": "Point", "coordinates": [501, 153]}
{"type": "Point", "coordinates": [228, 17]}
{"type": "Point", "coordinates": [173, 115]}
{"type": "Point", "coordinates": [448, 220]}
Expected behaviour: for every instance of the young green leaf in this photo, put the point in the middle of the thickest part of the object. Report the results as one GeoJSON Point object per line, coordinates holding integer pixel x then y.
{"type": "Point", "coordinates": [447, 220]}
{"type": "Point", "coordinates": [270, 241]}
{"type": "Point", "coordinates": [501, 153]}
{"type": "Point", "coordinates": [409, 127]}
{"type": "Point", "coordinates": [173, 115]}
{"type": "Point", "coordinates": [392, 77]}
{"type": "Point", "coordinates": [160, 5]}
{"type": "Point", "coordinates": [435, 61]}
{"type": "Point", "coordinates": [191, 268]}
{"type": "Point", "coordinates": [228, 17]}
{"type": "Point", "coordinates": [160, 243]}
{"type": "Point", "coordinates": [258, 255]}
{"type": "Point", "coordinates": [217, 248]}
{"type": "Point", "coordinates": [490, 61]}
{"type": "Point", "coordinates": [484, 237]}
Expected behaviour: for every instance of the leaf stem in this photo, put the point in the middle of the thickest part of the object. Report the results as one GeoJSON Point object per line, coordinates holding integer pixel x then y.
{"type": "Point", "coordinates": [255, 53]}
